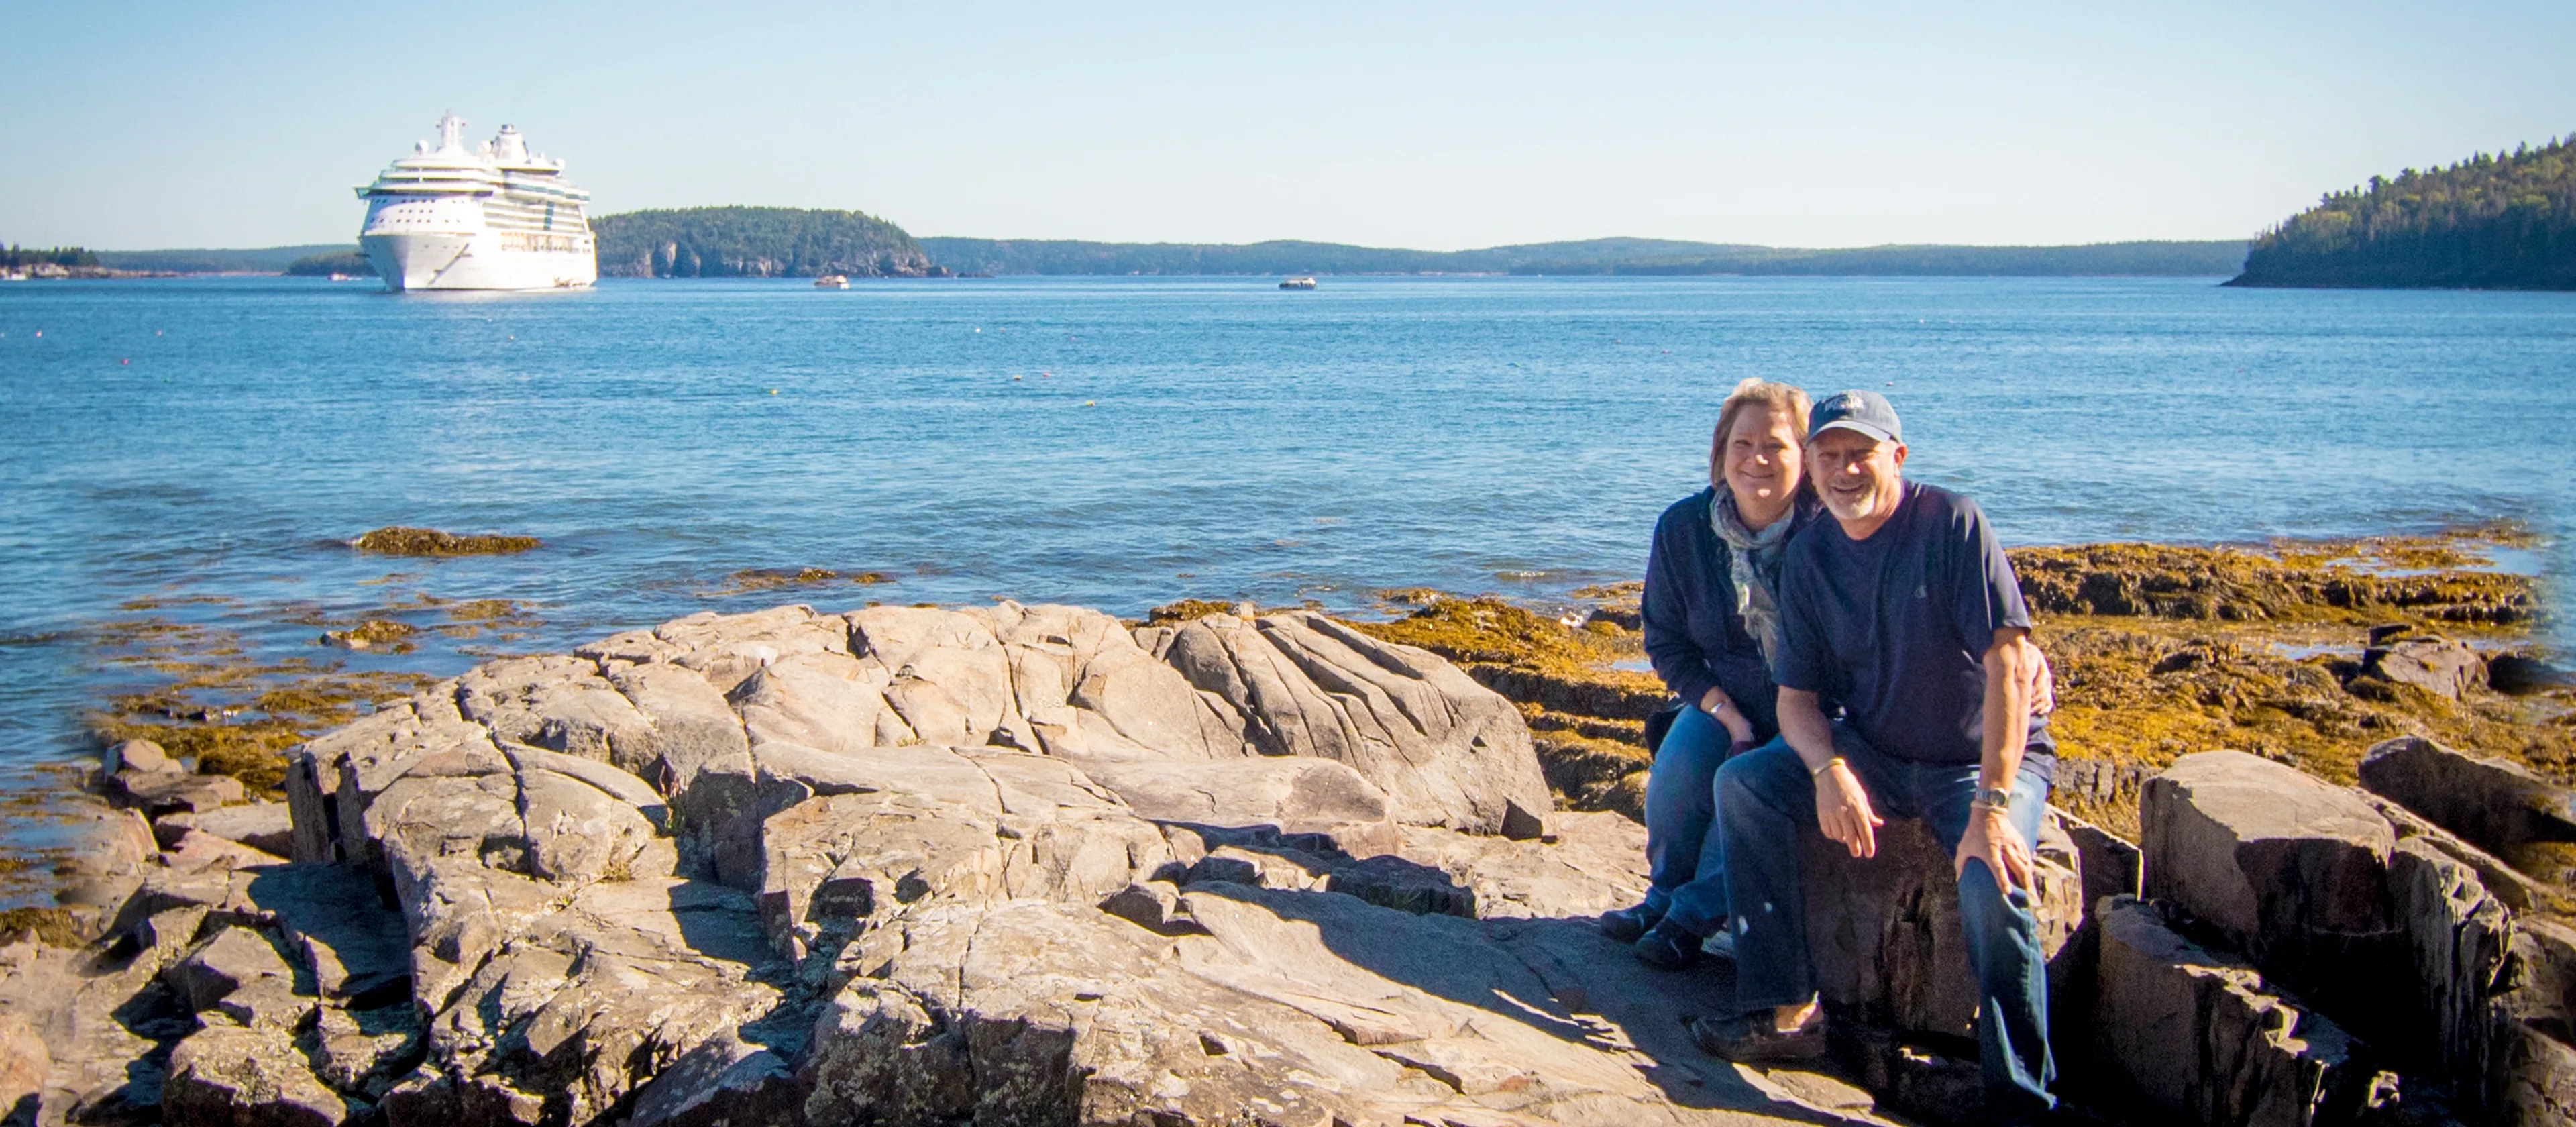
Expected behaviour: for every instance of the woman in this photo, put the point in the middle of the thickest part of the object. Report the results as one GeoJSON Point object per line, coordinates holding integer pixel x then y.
{"type": "Point", "coordinates": [1711, 621]}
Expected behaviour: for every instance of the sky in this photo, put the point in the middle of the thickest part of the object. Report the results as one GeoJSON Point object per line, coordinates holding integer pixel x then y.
{"type": "Point", "coordinates": [1430, 125]}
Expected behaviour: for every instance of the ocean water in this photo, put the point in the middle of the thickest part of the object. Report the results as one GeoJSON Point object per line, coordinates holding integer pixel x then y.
{"type": "Point", "coordinates": [1122, 442]}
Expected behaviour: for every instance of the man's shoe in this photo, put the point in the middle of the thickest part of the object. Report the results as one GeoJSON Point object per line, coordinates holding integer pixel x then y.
{"type": "Point", "coordinates": [1626, 924]}
{"type": "Point", "coordinates": [1667, 947]}
{"type": "Point", "coordinates": [1753, 1039]}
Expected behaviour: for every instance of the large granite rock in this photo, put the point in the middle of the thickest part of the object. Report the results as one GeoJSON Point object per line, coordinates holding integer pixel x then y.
{"type": "Point", "coordinates": [2292, 870]}
{"type": "Point", "coordinates": [625, 877]}
{"type": "Point", "coordinates": [2500, 807]}
{"type": "Point", "coordinates": [1885, 932]}
{"type": "Point", "coordinates": [2199, 1035]}
{"type": "Point", "coordinates": [1022, 864]}
{"type": "Point", "coordinates": [2438, 665]}
{"type": "Point", "coordinates": [2459, 943]}
{"type": "Point", "coordinates": [24, 1061]}
{"type": "Point", "coordinates": [2531, 1066]}
{"type": "Point", "coordinates": [108, 853]}
{"type": "Point", "coordinates": [226, 1075]}
{"type": "Point", "coordinates": [1449, 752]}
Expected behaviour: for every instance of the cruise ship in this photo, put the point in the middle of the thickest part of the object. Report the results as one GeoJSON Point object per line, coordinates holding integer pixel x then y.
{"type": "Point", "coordinates": [496, 217]}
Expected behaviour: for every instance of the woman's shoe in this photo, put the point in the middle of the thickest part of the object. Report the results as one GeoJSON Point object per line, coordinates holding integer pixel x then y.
{"type": "Point", "coordinates": [1626, 924]}
{"type": "Point", "coordinates": [1754, 1039]}
{"type": "Point", "coordinates": [1666, 946]}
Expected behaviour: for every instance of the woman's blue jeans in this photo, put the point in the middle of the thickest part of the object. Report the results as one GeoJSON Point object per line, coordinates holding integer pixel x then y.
{"type": "Point", "coordinates": [1685, 863]}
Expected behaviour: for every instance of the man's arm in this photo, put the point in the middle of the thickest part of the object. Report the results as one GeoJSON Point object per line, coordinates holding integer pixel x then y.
{"type": "Point", "coordinates": [1991, 836]}
{"type": "Point", "coordinates": [1842, 805]}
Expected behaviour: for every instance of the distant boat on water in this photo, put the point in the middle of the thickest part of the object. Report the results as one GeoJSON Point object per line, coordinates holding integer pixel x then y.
{"type": "Point", "coordinates": [1302, 282]}
{"type": "Point", "coordinates": [832, 282]}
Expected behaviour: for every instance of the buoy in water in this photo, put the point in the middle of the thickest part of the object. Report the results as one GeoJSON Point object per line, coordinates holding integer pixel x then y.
{"type": "Point", "coordinates": [1091, 403]}
{"type": "Point", "coordinates": [1015, 379]}
{"type": "Point", "coordinates": [773, 391]}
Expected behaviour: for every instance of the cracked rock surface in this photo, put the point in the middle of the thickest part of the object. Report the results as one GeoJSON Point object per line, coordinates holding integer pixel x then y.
{"type": "Point", "coordinates": [1007, 864]}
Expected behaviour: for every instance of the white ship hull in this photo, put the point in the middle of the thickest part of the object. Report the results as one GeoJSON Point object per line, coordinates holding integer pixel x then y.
{"type": "Point", "coordinates": [484, 260]}
{"type": "Point", "coordinates": [494, 218]}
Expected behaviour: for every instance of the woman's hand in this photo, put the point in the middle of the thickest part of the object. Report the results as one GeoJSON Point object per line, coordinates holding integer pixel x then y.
{"type": "Point", "coordinates": [2043, 682]}
{"type": "Point", "coordinates": [1722, 708]}
{"type": "Point", "coordinates": [1843, 811]}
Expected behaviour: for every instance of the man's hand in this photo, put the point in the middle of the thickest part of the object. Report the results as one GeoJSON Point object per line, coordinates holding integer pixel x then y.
{"type": "Point", "coordinates": [1722, 708]}
{"type": "Point", "coordinates": [1843, 811]}
{"type": "Point", "coordinates": [1993, 839]}
{"type": "Point", "coordinates": [2043, 680]}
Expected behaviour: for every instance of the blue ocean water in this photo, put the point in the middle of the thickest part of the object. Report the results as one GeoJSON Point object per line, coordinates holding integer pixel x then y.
{"type": "Point", "coordinates": [1122, 442]}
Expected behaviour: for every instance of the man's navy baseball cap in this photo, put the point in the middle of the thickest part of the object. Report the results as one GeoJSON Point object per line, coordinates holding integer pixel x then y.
{"type": "Point", "coordinates": [1863, 411]}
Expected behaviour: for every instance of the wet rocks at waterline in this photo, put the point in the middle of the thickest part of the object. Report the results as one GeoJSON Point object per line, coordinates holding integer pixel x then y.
{"type": "Point", "coordinates": [1029, 864]}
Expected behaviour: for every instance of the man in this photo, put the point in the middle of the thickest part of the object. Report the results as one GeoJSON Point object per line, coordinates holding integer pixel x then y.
{"type": "Point", "coordinates": [1903, 609]}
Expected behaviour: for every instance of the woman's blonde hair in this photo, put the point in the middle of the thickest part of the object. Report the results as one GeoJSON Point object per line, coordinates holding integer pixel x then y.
{"type": "Point", "coordinates": [1783, 400]}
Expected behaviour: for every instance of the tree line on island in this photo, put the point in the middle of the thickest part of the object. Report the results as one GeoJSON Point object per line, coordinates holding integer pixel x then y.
{"type": "Point", "coordinates": [15, 257]}
{"type": "Point", "coordinates": [778, 242]}
{"type": "Point", "coordinates": [2493, 221]}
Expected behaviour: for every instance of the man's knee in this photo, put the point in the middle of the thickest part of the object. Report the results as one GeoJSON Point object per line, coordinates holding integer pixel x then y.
{"type": "Point", "coordinates": [1760, 779]}
{"type": "Point", "coordinates": [1987, 906]}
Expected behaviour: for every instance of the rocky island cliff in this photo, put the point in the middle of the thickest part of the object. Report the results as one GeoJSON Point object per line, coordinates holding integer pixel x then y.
{"type": "Point", "coordinates": [1035, 864]}
{"type": "Point", "coordinates": [756, 242]}
{"type": "Point", "coordinates": [2493, 221]}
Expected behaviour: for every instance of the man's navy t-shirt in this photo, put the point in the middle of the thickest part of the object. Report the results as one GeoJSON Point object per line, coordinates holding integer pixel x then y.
{"type": "Point", "coordinates": [1896, 627]}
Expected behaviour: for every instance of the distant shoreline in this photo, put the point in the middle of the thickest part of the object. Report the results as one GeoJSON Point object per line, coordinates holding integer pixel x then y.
{"type": "Point", "coordinates": [1619, 257]}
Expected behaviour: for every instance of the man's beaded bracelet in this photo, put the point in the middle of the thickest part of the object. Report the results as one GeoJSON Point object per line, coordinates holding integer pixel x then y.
{"type": "Point", "coordinates": [1819, 772]}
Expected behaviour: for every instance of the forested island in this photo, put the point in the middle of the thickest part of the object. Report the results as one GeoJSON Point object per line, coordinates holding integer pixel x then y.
{"type": "Point", "coordinates": [756, 242]}
{"type": "Point", "coordinates": [2493, 221]}
{"type": "Point", "coordinates": [349, 262]}
{"type": "Point", "coordinates": [15, 257]}
{"type": "Point", "coordinates": [260, 260]}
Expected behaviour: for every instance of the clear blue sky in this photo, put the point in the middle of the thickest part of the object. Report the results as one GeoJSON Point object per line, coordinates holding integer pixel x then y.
{"type": "Point", "coordinates": [138, 125]}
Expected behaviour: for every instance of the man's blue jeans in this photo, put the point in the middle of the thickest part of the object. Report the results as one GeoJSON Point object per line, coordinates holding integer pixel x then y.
{"type": "Point", "coordinates": [1765, 797]}
{"type": "Point", "coordinates": [1685, 863]}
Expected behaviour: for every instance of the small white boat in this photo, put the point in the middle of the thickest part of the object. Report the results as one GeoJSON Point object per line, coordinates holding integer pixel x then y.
{"type": "Point", "coordinates": [832, 282]}
{"type": "Point", "coordinates": [1302, 282]}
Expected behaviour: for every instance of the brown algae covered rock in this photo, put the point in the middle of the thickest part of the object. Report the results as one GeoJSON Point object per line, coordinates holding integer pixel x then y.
{"type": "Point", "coordinates": [2301, 653]}
{"type": "Point", "coordinates": [2434, 578]}
{"type": "Point", "coordinates": [400, 540]}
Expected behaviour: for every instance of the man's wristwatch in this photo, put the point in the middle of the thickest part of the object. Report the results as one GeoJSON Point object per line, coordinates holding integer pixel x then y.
{"type": "Point", "coordinates": [1993, 798]}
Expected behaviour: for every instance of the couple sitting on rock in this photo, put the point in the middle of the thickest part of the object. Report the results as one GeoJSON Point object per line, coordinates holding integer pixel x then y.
{"type": "Point", "coordinates": [1846, 644]}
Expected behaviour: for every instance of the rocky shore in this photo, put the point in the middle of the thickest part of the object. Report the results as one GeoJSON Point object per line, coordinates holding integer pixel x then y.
{"type": "Point", "coordinates": [1035, 864]}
